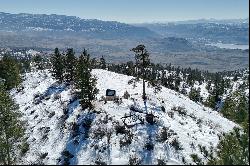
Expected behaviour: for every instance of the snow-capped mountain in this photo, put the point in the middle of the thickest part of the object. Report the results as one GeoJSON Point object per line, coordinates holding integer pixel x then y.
{"type": "Point", "coordinates": [60, 23]}
{"type": "Point", "coordinates": [58, 131]}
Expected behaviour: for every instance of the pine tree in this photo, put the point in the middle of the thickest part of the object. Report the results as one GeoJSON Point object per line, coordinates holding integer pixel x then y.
{"type": "Point", "coordinates": [130, 68]}
{"type": "Point", "coordinates": [233, 149]}
{"type": "Point", "coordinates": [236, 107]}
{"type": "Point", "coordinates": [93, 63]}
{"type": "Point", "coordinates": [85, 82]}
{"type": "Point", "coordinates": [228, 107]}
{"type": "Point", "coordinates": [38, 62]}
{"type": "Point", "coordinates": [10, 128]}
{"type": "Point", "coordinates": [194, 94]}
{"type": "Point", "coordinates": [242, 109]}
{"type": "Point", "coordinates": [70, 64]}
{"type": "Point", "coordinates": [25, 65]}
{"type": "Point", "coordinates": [142, 62]}
{"type": "Point", "coordinates": [102, 63]}
{"type": "Point", "coordinates": [57, 65]}
{"type": "Point", "coordinates": [10, 72]}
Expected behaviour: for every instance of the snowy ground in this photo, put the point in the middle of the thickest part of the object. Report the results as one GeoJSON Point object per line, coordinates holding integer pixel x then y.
{"type": "Point", "coordinates": [58, 132]}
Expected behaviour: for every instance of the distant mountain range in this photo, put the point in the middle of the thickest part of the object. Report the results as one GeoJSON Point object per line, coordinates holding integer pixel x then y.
{"type": "Point", "coordinates": [187, 43]}
{"type": "Point", "coordinates": [226, 31]}
{"type": "Point", "coordinates": [211, 20]}
{"type": "Point", "coordinates": [60, 23]}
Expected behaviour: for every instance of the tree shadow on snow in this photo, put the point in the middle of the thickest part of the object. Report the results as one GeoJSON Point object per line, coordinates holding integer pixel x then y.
{"type": "Point", "coordinates": [78, 139]}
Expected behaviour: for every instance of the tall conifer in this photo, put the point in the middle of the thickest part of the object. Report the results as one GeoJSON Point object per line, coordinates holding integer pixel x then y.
{"type": "Point", "coordinates": [85, 82]}
{"type": "Point", "coordinates": [57, 65]}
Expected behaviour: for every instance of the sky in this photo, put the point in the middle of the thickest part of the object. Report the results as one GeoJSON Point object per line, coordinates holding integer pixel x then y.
{"type": "Point", "coordinates": [133, 11]}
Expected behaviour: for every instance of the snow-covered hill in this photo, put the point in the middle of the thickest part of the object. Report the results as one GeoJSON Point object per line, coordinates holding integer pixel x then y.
{"type": "Point", "coordinates": [59, 132]}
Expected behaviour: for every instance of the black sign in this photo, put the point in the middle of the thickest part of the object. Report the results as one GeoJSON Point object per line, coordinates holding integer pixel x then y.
{"type": "Point", "coordinates": [110, 92]}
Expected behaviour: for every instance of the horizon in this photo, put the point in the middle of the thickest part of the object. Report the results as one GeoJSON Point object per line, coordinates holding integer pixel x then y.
{"type": "Point", "coordinates": [129, 11]}
{"type": "Point", "coordinates": [198, 19]}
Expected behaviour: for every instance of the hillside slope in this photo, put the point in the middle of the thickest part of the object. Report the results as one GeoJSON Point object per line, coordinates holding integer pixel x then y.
{"type": "Point", "coordinates": [59, 132]}
{"type": "Point", "coordinates": [58, 25]}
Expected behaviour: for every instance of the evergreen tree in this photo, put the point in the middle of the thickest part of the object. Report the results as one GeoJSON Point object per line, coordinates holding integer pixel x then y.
{"type": "Point", "coordinates": [57, 65]}
{"type": "Point", "coordinates": [10, 128]}
{"type": "Point", "coordinates": [70, 65]}
{"type": "Point", "coordinates": [194, 94]}
{"type": "Point", "coordinates": [38, 60]}
{"type": "Point", "coordinates": [94, 63]}
{"type": "Point", "coordinates": [25, 65]}
{"type": "Point", "coordinates": [242, 108]}
{"type": "Point", "coordinates": [130, 68]}
{"type": "Point", "coordinates": [102, 63]}
{"type": "Point", "coordinates": [85, 82]}
{"type": "Point", "coordinates": [10, 72]}
{"type": "Point", "coordinates": [228, 108]}
{"type": "Point", "coordinates": [236, 107]}
{"type": "Point", "coordinates": [142, 62]}
{"type": "Point", "coordinates": [177, 83]}
{"type": "Point", "coordinates": [233, 149]}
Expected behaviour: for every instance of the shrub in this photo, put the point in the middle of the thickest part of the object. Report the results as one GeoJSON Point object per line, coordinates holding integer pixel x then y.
{"type": "Point", "coordinates": [65, 110]}
{"type": "Point", "coordinates": [67, 154]}
{"type": "Point", "coordinates": [163, 136]}
{"type": "Point", "coordinates": [134, 160]}
{"type": "Point", "coordinates": [24, 148]}
{"type": "Point", "coordinates": [120, 129]}
{"type": "Point", "coordinates": [57, 96]}
{"type": "Point", "coordinates": [149, 146]}
{"type": "Point", "coordinates": [127, 139]}
{"type": "Point", "coordinates": [131, 81]}
{"type": "Point", "coordinates": [199, 121]}
{"type": "Point", "coordinates": [75, 129]}
{"type": "Point", "coordinates": [176, 144]}
{"type": "Point", "coordinates": [171, 114]}
{"type": "Point", "coordinates": [36, 95]}
{"type": "Point", "coordinates": [37, 101]}
{"type": "Point", "coordinates": [150, 118]}
{"type": "Point", "coordinates": [87, 123]}
{"type": "Point", "coordinates": [47, 97]}
{"type": "Point", "coordinates": [32, 112]}
{"type": "Point", "coordinates": [161, 162]}
{"type": "Point", "coordinates": [43, 155]}
{"type": "Point", "coordinates": [75, 142]}
{"type": "Point", "coordinates": [98, 162]}
{"type": "Point", "coordinates": [192, 146]}
{"type": "Point", "coordinates": [126, 95]}
{"type": "Point", "coordinates": [192, 116]}
{"type": "Point", "coordinates": [73, 99]}
{"type": "Point", "coordinates": [163, 109]}
{"type": "Point", "coordinates": [196, 159]}
{"type": "Point", "coordinates": [182, 111]}
{"type": "Point", "coordinates": [51, 114]}
{"type": "Point", "coordinates": [98, 133]}
{"type": "Point", "coordinates": [183, 160]}
{"type": "Point", "coordinates": [102, 98]}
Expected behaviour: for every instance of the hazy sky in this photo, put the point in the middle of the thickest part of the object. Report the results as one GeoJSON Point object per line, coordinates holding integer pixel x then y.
{"type": "Point", "coordinates": [131, 11]}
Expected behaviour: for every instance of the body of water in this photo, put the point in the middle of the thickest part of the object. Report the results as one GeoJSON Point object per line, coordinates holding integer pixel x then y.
{"type": "Point", "coordinates": [230, 46]}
